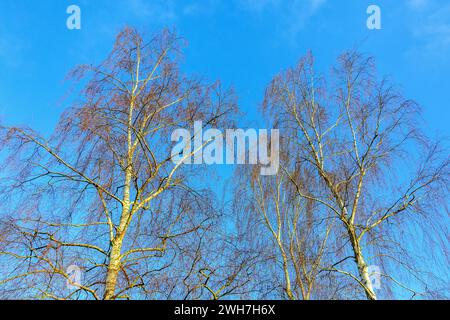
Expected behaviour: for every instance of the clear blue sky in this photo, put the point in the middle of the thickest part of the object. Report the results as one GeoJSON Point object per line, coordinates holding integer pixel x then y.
{"type": "Point", "coordinates": [241, 42]}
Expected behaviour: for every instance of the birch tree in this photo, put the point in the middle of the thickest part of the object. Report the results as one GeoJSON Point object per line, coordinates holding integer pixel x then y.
{"type": "Point", "coordinates": [372, 166]}
{"type": "Point", "coordinates": [102, 192]}
{"type": "Point", "coordinates": [289, 233]}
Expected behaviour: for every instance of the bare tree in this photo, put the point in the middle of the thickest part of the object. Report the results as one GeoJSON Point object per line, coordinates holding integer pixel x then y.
{"type": "Point", "coordinates": [102, 192]}
{"type": "Point", "coordinates": [291, 240]}
{"type": "Point", "coordinates": [357, 142]}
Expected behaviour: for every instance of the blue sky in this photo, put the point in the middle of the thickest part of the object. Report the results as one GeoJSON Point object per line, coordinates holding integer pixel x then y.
{"type": "Point", "coordinates": [242, 42]}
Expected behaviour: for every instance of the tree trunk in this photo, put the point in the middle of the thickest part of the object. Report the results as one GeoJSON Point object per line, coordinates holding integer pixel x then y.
{"type": "Point", "coordinates": [113, 269]}
{"type": "Point", "coordinates": [362, 266]}
{"type": "Point", "coordinates": [115, 255]}
{"type": "Point", "coordinates": [116, 248]}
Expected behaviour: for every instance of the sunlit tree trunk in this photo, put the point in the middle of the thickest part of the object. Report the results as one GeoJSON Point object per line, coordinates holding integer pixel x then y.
{"type": "Point", "coordinates": [362, 266]}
